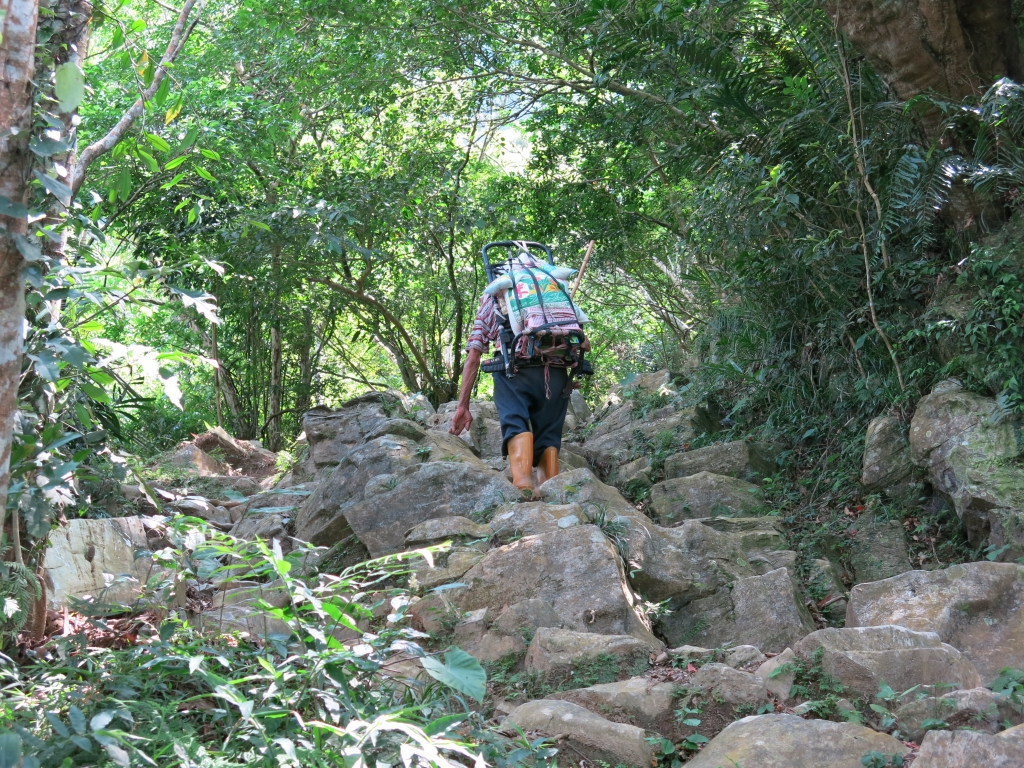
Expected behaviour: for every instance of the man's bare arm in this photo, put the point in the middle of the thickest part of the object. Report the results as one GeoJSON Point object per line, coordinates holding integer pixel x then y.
{"type": "Point", "coordinates": [463, 418]}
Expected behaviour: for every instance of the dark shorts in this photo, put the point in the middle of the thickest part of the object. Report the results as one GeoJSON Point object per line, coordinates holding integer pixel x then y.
{"type": "Point", "coordinates": [523, 401]}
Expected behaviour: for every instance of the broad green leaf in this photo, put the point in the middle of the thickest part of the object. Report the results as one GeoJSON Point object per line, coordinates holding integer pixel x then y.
{"type": "Point", "coordinates": [162, 92]}
{"type": "Point", "coordinates": [95, 393]}
{"type": "Point", "coordinates": [204, 173]}
{"type": "Point", "coordinates": [44, 146]}
{"type": "Point", "coordinates": [158, 143]}
{"type": "Point", "coordinates": [149, 160]}
{"type": "Point", "coordinates": [459, 671]}
{"type": "Point", "coordinates": [209, 154]}
{"type": "Point", "coordinates": [77, 718]}
{"type": "Point", "coordinates": [69, 86]}
{"type": "Point", "coordinates": [170, 165]}
{"type": "Point", "coordinates": [10, 750]}
{"type": "Point", "coordinates": [56, 188]}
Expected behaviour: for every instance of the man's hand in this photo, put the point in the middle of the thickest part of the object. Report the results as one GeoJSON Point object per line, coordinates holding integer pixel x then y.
{"type": "Point", "coordinates": [462, 421]}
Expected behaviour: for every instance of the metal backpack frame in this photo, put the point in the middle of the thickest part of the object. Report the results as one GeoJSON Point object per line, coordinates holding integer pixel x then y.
{"type": "Point", "coordinates": [508, 341]}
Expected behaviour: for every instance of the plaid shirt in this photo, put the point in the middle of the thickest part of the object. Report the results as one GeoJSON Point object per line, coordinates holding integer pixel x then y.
{"type": "Point", "coordinates": [486, 327]}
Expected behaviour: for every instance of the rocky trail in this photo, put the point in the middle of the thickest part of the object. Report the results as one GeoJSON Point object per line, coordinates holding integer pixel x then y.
{"type": "Point", "coordinates": [683, 628]}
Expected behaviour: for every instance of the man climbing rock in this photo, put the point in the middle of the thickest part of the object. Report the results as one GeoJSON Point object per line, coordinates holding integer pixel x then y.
{"type": "Point", "coordinates": [531, 403]}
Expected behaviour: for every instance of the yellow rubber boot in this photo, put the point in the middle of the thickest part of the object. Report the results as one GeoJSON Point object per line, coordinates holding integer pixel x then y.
{"type": "Point", "coordinates": [520, 460]}
{"type": "Point", "coordinates": [548, 466]}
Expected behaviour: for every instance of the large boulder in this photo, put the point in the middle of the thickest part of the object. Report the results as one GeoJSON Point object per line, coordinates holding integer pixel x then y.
{"type": "Point", "coordinates": [484, 433]}
{"type": "Point", "coordinates": [576, 570]}
{"type": "Point", "coordinates": [703, 495]}
{"type": "Point", "coordinates": [862, 658]}
{"type": "Point", "coordinates": [788, 741]}
{"type": "Point", "coordinates": [96, 558]}
{"type": "Point", "coordinates": [322, 520]}
{"type": "Point", "coordinates": [332, 434]}
{"type": "Point", "coordinates": [394, 503]}
{"type": "Point", "coordinates": [967, 749]}
{"type": "Point", "coordinates": [976, 607]}
{"type": "Point", "coordinates": [620, 430]}
{"type": "Point", "coordinates": [730, 686]}
{"type": "Point", "coordinates": [968, 444]}
{"type": "Point", "coordinates": [581, 486]}
{"type": "Point", "coordinates": [194, 458]}
{"type": "Point", "coordinates": [978, 709]}
{"type": "Point", "coordinates": [638, 701]}
{"type": "Point", "coordinates": [887, 464]}
{"type": "Point", "coordinates": [559, 653]}
{"type": "Point", "coordinates": [588, 735]}
{"type": "Point", "coordinates": [530, 518]}
{"type": "Point", "coordinates": [764, 611]}
{"type": "Point", "coordinates": [246, 457]}
{"type": "Point", "coordinates": [741, 458]}
{"type": "Point", "coordinates": [878, 549]}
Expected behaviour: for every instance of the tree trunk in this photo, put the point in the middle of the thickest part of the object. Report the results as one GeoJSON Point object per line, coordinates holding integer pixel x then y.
{"type": "Point", "coordinates": [956, 48]}
{"type": "Point", "coordinates": [274, 406]}
{"type": "Point", "coordinates": [303, 396]}
{"type": "Point", "coordinates": [17, 67]}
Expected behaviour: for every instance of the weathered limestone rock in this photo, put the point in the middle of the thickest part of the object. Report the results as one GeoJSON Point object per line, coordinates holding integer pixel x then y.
{"type": "Point", "coordinates": [555, 652]}
{"type": "Point", "coordinates": [321, 519]}
{"type": "Point", "coordinates": [332, 434]}
{"type": "Point", "coordinates": [441, 446]}
{"type": "Point", "coordinates": [703, 495]}
{"type": "Point", "coordinates": [532, 518]}
{"type": "Point", "coordinates": [576, 570]}
{"type": "Point", "coordinates": [572, 457]}
{"type": "Point", "coordinates": [743, 656]}
{"type": "Point", "coordinates": [638, 701]}
{"type": "Point", "coordinates": [824, 584]}
{"type": "Point", "coordinates": [977, 607]}
{"type": "Point", "coordinates": [761, 538]}
{"type": "Point", "coordinates": [636, 471]}
{"type": "Point", "coordinates": [581, 486]}
{"type": "Point", "coordinates": [685, 563]}
{"type": "Point", "coordinates": [579, 407]}
{"type": "Point", "coordinates": [394, 504]}
{"type": "Point", "coordinates": [966, 749]}
{"type": "Point", "coordinates": [723, 683]}
{"type": "Point", "coordinates": [449, 567]}
{"type": "Point", "coordinates": [652, 382]}
{"type": "Point", "coordinates": [1001, 529]}
{"type": "Point", "coordinates": [978, 709]}
{"type": "Point", "coordinates": [740, 458]}
{"type": "Point", "coordinates": [587, 734]}
{"type": "Point", "coordinates": [879, 549]}
{"type": "Point", "coordinates": [968, 445]}
{"type": "Point", "coordinates": [192, 457]}
{"type": "Point", "coordinates": [759, 610]}
{"type": "Point", "coordinates": [527, 616]}
{"type": "Point", "coordinates": [485, 432]}
{"type": "Point", "coordinates": [788, 741]}
{"type": "Point", "coordinates": [615, 435]}
{"type": "Point", "coordinates": [887, 462]}
{"type": "Point", "coordinates": [440, 529]}
{"type": "Point", "coordinates": [269, 515]}
{"type": "Point", "coordinates": [96, 558]}
{"type": "Point", "coordinates": [417, 406]}
{"type": "Point", "coordinates": [495, 646]}
{"type": "Point", "coordinates": [398, 428]}
{"type": "Point", "coordinates": [779, 674]}
{"type": "Point", "coordinates": [862, 658]}
{"type": "Point", "coordinates": [247, 457]}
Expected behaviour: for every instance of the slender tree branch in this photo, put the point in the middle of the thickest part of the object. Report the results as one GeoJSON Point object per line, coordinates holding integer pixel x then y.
{"type": "Point", "coordinates": [182, 29]}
